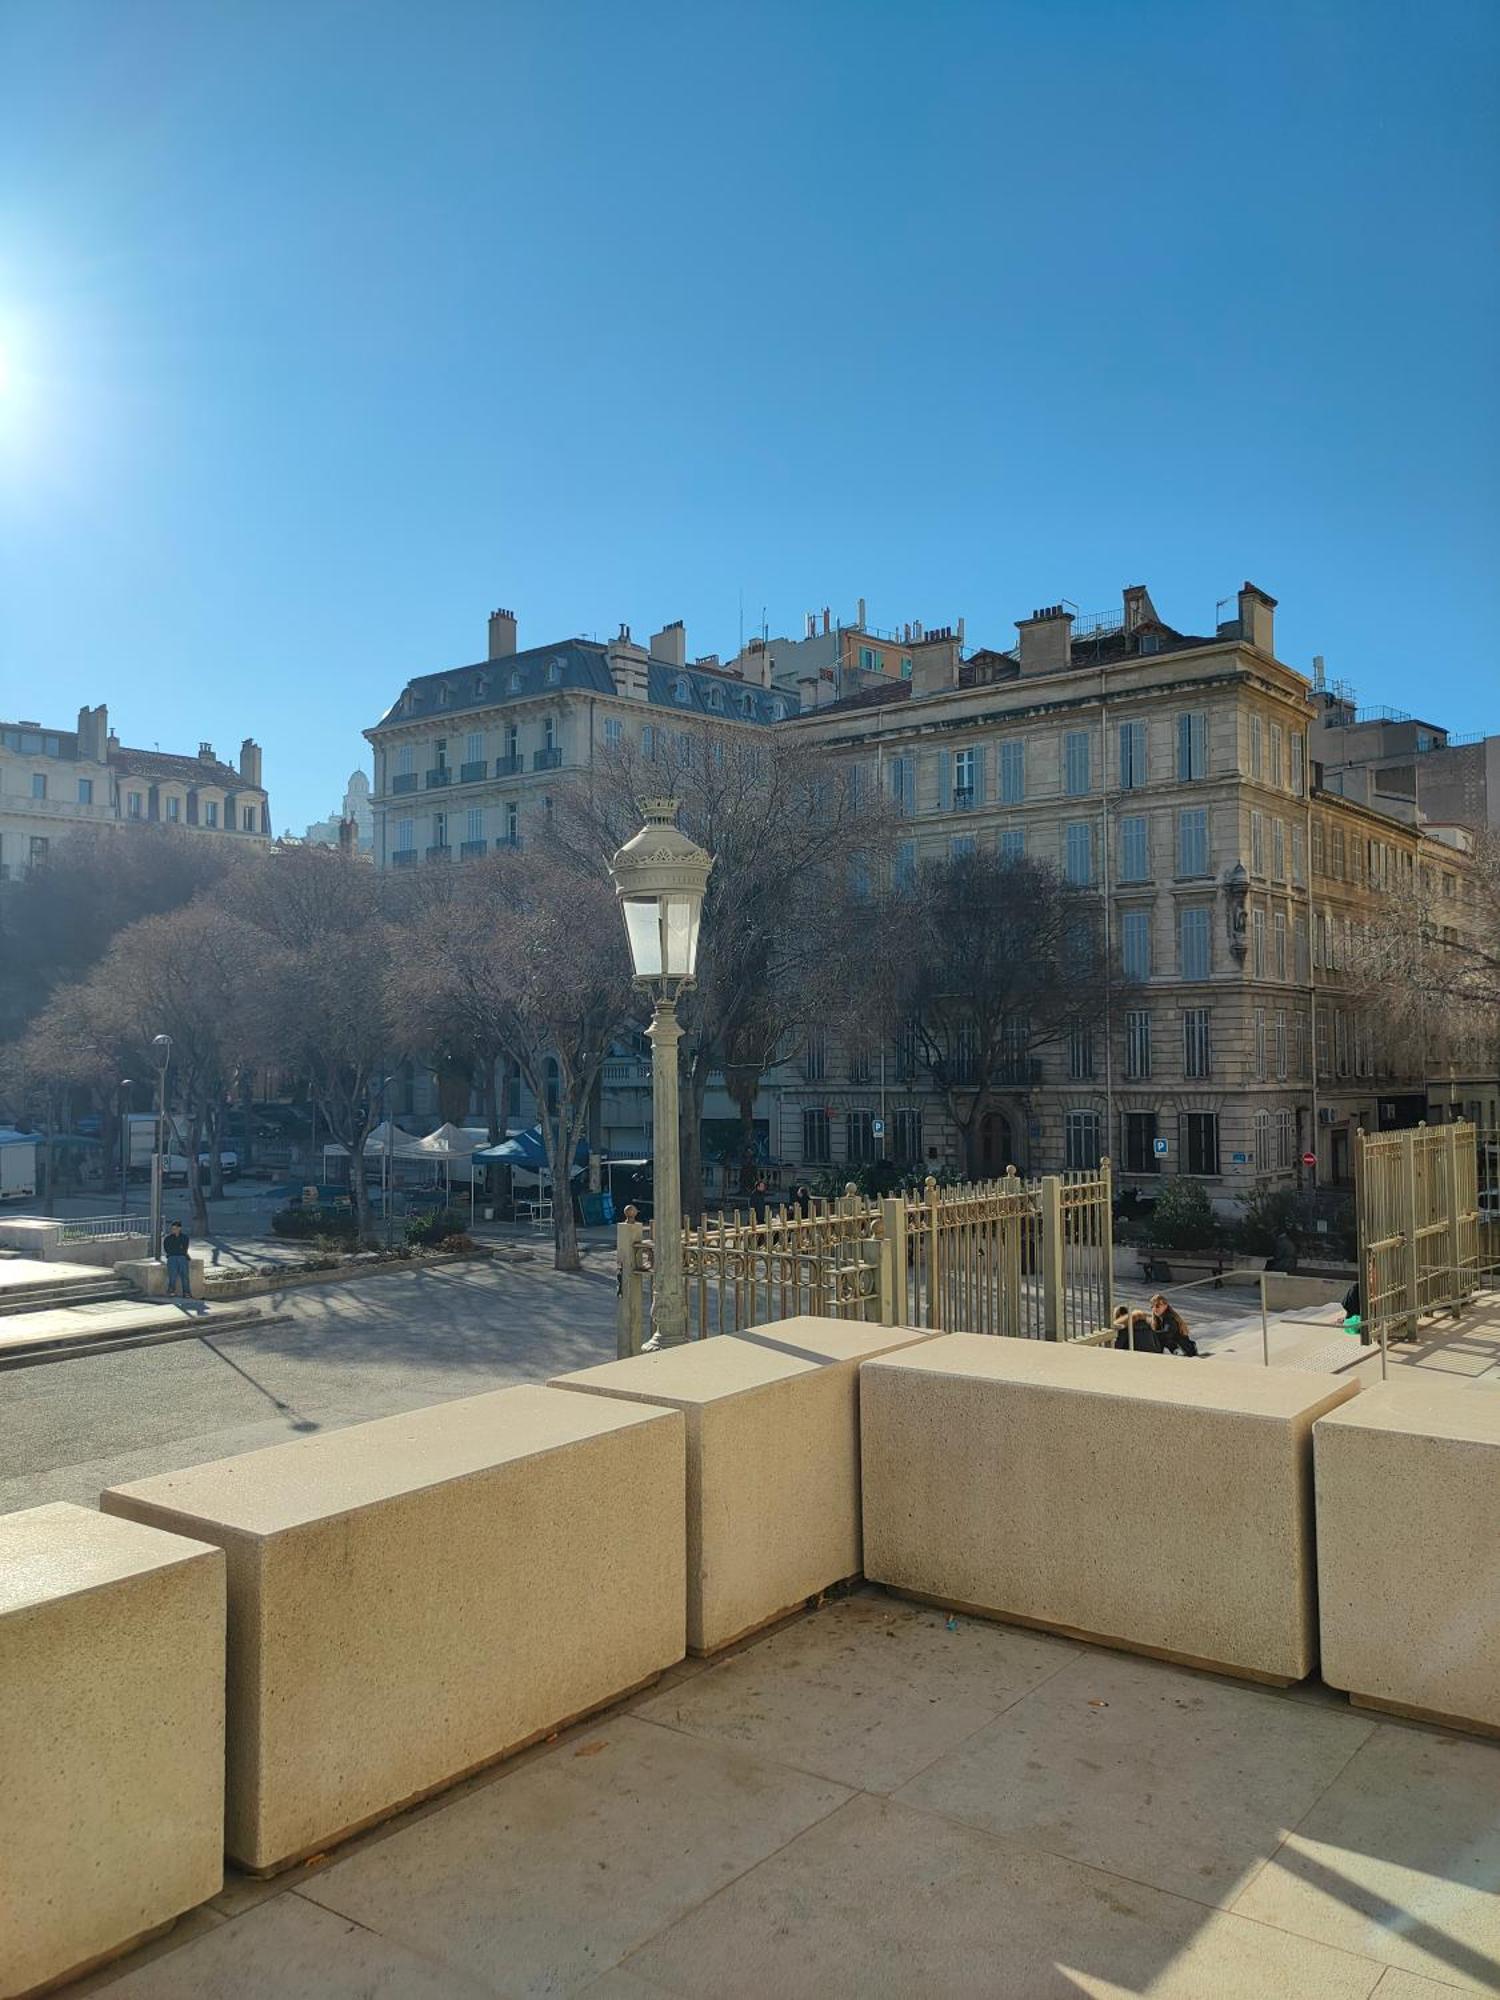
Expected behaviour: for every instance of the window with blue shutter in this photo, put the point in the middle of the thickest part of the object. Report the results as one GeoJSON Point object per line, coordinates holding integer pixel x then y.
{"type": "Point", "coordinates": [1193, 934]}
{"type": "Point", "coordinates": [1076, 763]}
{"type": "Point", "coordinates": [1192, 841]}
{"type": "Point", "coordinates": [1079, 865]}
{"type": "Point", "coordinates": [1192, 746]}
{"type": "Point", "coordinates": [1132, 755]}
{"type": "Point", "coordinates": [1135, 944]}
{"type": "Point", "coordinates": [1012, 772]}
{"type": "Point", "coordinates": [1013, 844]}
{"type": "Point", "coordinates": [1135, 856]}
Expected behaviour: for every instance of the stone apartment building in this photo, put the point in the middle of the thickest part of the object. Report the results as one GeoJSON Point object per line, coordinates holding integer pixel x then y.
{"type": "Point", "coordinates": [53, 781]}
{"type": "Point", "coordinates": [1169, 771]}
{"type": "Point", "coordinates": [1402, 765]}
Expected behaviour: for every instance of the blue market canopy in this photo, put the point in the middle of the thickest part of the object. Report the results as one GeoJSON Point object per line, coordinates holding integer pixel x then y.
{"type": "Point", "coordinates": [525, 1149]}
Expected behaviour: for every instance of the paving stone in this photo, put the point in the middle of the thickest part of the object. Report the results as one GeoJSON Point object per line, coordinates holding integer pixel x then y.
{"type": "Point", "coordinates": [547, 1878]}
{"type": "Point", "coordinates": [1159, 1774]}
{"type": "Point", "coordinates": [1400, 1860]}
{"type": "Point", "coordinates": [881, 1902]}
{"type": "Point", "coordinates": [868, 1692]}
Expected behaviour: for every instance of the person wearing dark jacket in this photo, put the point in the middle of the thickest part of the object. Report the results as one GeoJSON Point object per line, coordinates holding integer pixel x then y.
{"type": "Point", "coordinates": [1171, 1328]}
{"type": "Point", "coordinates": [1136, 1331]}
{"type": "Point", "coordinates": [174, 1248]}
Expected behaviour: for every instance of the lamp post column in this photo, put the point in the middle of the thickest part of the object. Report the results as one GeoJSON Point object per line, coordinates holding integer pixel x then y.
{"type": "Point", "coordinates": [157, 1165]}
{"type": "Point", "coordinates": [668, 1302]}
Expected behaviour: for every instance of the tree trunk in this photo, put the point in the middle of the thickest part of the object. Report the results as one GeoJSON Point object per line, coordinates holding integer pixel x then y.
{"type": "Point", "coordinates": [49, 1156]}
{"type": "Point", "coordinates": [195, 1174]}
{"type": "Point", "coordinates": [560, 1141]}
{"type": "Point", "coordinates": [491, 1101]}
{"type": "Point", "coordinates": [359, 1191]}
{"type": "Point", "coordinates": [216, 1147]}
{"type": "Point", "coordinates": [690, 1138]}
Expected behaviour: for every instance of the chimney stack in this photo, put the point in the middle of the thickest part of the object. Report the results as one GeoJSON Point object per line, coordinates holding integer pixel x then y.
{"type": "Point", "coordinates": [860, 619]}
{"type": "Point", "coordinates": [1046, 640]}
{"type": "Point", "coordinates": [250, 762]}
{"type": "Point", "coordinates": [827, 618]}
{"type": "Point", "coordinates": [670, 644]}
{"type": "Point", "coordinates": [502, 634]}
{"type": "Point", "coordinates": [206, 754]}
{"type": "Point", "coordinates": [93, 734]}
{"type": "Point", "coordinates": [627, 666]}
{"type": "Point", "coordinates": [1258, 619]}
{"type": "Point", "coordinates": [934, 662]}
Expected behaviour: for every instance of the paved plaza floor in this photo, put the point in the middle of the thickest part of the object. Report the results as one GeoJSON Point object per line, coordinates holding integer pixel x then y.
{"type": "Point", "coordinates": [879, 1800]}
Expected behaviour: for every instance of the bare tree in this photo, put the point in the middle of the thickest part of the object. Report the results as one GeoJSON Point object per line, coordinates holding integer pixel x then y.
{"type": "Point", "coordinates": [524, 955]}
{"type": "Point", "coordinates": [320, 1001]}
{"type": "Point", "coordinates": [983, 963]}
{"type": "Point", "coordinates": [1426, 967]}
{"type": "Point", "coordinates": [795, 835]}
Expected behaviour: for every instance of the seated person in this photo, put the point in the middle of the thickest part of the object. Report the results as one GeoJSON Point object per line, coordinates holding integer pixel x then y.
{"type": "Point", "coordinates": [1171, 1328]}
{"type": "Point", "coordinates": [1134, 1329]}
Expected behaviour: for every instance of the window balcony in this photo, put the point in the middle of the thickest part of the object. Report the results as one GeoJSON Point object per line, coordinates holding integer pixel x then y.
{"type": "Point", "coordinates": [507, 842]}
{"type": "Point", "coordinates": [404, 781]}
{"type": "Point", "coordinates": [470, 774]}
{"type": "Point", "coordinates": [403, 857]}
{"type": "Point", "coordinates": [509, 767]}
{"type": "Point", "coordinates": [470, 848]}
{"type": "Point", "coordinates": [441, 776]}
{"type": "Point", "coordinates": [546, 760]}
{"type": "Point", "coordinates": [440, 851]}
{"type": "Point", "coordinates": [963, 798]}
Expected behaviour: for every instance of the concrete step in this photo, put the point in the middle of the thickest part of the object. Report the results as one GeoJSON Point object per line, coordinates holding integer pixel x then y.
{"type": "Point", "coordinates": [43, 1296]}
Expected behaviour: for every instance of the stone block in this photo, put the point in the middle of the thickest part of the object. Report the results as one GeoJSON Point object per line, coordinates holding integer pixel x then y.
{"type": "Point", "coordinates": [111, 1737]}
{"type": "Point", "coordinates": [1408, 1494]}
{"type": "Point", "coordinates": [1145, 1501]}
{"type": "Point", "coordinates": [416, 1597]}
{"type": "Point", "coordinates": [148, 1275]}
{"type": "Point", "coordinates": [773, 1512]}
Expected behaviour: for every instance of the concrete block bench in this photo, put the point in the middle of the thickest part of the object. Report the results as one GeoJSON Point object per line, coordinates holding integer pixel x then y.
{"type": "Point", "coordinates": [416, 1597]}
{"type": "Point", "coordinates": [111, 1737]}
{"type": "Point", "coordinates": [1143, 1501]}
{"type": "Point", "coordinates": [773, 1513]}
{"type": "Point", "coordinates": [1408, 1497]}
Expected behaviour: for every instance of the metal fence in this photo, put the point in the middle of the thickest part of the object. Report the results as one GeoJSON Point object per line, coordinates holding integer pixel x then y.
{"type": "Point", "coordinates": [1422, 1240]}
{"type": "Point", "coordinates": [1027, 1259]}
{"type": "Point", "coordinates": [83, 1228]}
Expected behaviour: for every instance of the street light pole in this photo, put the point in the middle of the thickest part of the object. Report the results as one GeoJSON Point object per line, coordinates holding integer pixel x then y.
{"type": "Point", "coordinates": [660, 878]}
{"type": "Point", "coordinates": [161, 1055]}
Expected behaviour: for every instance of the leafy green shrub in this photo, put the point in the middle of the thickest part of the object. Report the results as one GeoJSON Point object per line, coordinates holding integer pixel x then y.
{"type": "Point", "coordinates": [1183, 1218]}
{"type": "Point", "coordinates": [425, 1232]}
{"type": "Point", "coordinates": [332, 1225]}
{"type": "Point", "coordinates": [1268, 1212]}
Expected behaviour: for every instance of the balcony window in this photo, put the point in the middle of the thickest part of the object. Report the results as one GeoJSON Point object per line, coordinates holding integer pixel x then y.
{"type": "Point", "coordinates": [1081, 1053]}
{"type": "Point", "coordinates": [906, 1134]}
{"type": "Point", "coordinates": [1192, 841]}
{"type": "Point", "coordinates": [85, 791]}
{"type": "Point", "coordinates": [1135, 944]}
{"type": "Point", "coordinates": [902, 779]}
{"type": "Point", "coordinates": [210, 812]}
{"type": "Point", "coordinates": [1140, 1143]}
{"type": "Point", "coordinates": [1079, 852]}
{"type": "Point", "coordinates": [1197, 1050]}
{"type": "Point", "coordinates": [1192, 746]}
{"type": "Point", "coordinates": [39, 784]}
{"type": "Point", "coordinates": [1081, 1141]}
{"type": "Point", "coordinates": [963, 779]}
{"type": "Point", "coordinates": [1132, 755]}
{"type": "Point", "coordinates": [1012, 772]}
{"type": "Point", "coordinates": [247, 819]}
{"type": "Point", "coordinates": [1198, 1142]}
{"type": "Point", "coordinates": [512, 825]}
{"type": "Point", "coordinates": [174, 810]}
{"type": "Point", "coordinates": [860, 1146]}
{"type": "Point", "coordinates": [1135, 856]}
{"type": "Point", "coordinates": [817, 1149]}
{"type": "Point", "coordinates": [1137, 1043]}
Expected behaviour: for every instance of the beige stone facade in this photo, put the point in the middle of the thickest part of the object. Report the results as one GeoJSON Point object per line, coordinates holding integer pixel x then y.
{"type": "Point", "coordinates": [53, 781]}
{"type": "Point", "coordinates": [1171, 771]}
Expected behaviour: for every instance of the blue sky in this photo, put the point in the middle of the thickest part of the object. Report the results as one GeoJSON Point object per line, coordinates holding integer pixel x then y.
{"type": "Point", "coordinates": [328, 326]}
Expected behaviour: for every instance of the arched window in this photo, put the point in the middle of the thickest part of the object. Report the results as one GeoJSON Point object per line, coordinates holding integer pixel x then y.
{"type": "Point", "coordinates": [554, 672]}
{"type": "Point", "coordinates": [716, 698]}
{"type": "Point", "coordinates": [747, 703]}
{"type": "Point", "coordinates": [681, 691]}
{"type": "Point", "coordinates": [515, 680]}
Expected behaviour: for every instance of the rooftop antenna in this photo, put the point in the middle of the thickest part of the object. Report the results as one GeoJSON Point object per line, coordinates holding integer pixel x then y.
{"type": "Point", "coordinates": [742, 618]}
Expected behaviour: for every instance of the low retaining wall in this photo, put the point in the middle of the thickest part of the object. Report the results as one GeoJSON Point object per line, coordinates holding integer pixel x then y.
{"type": "Point", "coordinates": [1408, 1494]}
{"type": "Point", "coordinates": [111, 1737]}
{"type": "Point", "coordinates": [773, 1510]}
{"type": "Point", "coordinates": [148, 1276]}
{"type": "Point", "coordinates": [1140, 1500]}
{"type": "Point", "coordinates": [413, 1598]}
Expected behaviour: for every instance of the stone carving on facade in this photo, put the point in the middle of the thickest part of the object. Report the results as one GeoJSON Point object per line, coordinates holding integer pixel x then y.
{"type": "Point", "coordinates": [1236, 886]}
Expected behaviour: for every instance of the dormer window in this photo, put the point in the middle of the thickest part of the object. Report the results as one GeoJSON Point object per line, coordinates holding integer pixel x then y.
{"type": "Point", "coordinates": [716, 698]}
{"type": "Point", "coordinates": [778, 710]}
{"type": "Point", "coordinates": [554, 673]}
{"type": "Point", "coordinates": [481, 686]}
{"type": "Point", "coordinates": [445, 695]}
{"type": "Point", "coordinates": [515, 680]}
{"type": "Point", "coordinates": [747, 704]}
{"type": "Point", "coordinates": [681, 692]}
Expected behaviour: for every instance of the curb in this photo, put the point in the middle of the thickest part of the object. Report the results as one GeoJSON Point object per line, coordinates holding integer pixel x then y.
{"type": "Point", "coordinates": [76, 1349]}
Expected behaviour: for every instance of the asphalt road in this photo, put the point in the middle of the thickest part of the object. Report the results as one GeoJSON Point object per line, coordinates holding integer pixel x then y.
{"type": "Point", "coordinates": [344, 1353]}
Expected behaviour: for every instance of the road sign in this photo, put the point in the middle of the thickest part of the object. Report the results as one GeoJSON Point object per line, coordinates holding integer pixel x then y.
{"type": "Point", "coordinates": [1239, 1159]}
{"type": "Point", "coordinates": [1159, 1147]}
{"type": "Point", "coordinates": [877, 1126]}
{"type": "Point", "coordinates": [1309, 1159]}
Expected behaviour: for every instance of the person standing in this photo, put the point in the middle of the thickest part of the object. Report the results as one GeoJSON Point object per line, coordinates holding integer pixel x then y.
{"type": "Point", "coordinates": [175, 1247]}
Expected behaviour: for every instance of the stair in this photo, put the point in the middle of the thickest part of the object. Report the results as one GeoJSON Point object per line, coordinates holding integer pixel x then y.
{"type": "Point", "coordinates": [50, 1295]}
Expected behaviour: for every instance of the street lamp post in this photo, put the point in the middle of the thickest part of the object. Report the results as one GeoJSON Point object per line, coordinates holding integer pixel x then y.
{"type": "Point", "coordinates": [660, 877]}
{"type": "Point", "coordinates": [161, 1055]}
